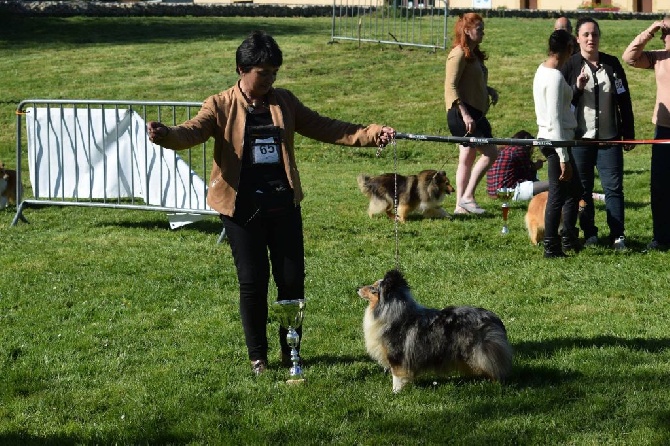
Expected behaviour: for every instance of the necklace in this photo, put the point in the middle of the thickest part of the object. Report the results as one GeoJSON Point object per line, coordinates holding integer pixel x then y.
{"type": "Point", "coordinates": [252, 104]}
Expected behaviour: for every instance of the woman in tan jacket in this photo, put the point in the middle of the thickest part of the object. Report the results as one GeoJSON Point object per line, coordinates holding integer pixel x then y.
{"type": "Point", "coordinates": [466, 96]}
{"type": "Point", "coordinates": [255, 183]}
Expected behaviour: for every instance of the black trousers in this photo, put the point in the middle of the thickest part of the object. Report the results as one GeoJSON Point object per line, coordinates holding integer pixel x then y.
{"type": "Point", "coordinates": [660, 187]}
{"type": "Point", "coordinates": [563, 197]}
{"type": "Point", "coordinates": [264, 244]}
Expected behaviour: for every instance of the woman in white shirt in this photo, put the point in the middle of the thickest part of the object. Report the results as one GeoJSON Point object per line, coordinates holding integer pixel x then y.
{"type": "Point", "coordinates": [556, 121]}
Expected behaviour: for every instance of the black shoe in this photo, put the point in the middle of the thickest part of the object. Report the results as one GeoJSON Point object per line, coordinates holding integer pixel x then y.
{"type": "Point", "coordinates": [570, 242]}
{"type": "Point", "coordinates": [655, 246]}
{"type": "Point", "coordinates": [259, 366]}
{"type": "Point", "coordinates": [553, 248]}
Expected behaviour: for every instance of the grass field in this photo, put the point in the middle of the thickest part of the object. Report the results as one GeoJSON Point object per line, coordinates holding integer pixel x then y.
{"type": "Point", "coordinates": [116, 330]}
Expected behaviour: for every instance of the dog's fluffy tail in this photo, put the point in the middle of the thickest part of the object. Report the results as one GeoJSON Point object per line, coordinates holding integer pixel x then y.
{"type": "Point", "coordinates": [493, 355]}
{"type": "Point", "coordinates": [364, 184]}
{"type": "Point", "coordinates": [375, 186]}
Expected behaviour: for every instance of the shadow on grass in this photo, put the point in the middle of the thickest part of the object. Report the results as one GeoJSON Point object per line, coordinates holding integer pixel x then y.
{"type": "Point", "coordinates": [65, 440]}
{"type": "Point", "coordinates": [26, 32]}
{"type": "Point", "coordinates": [631, 172]}
{"type": "Point", "coordinates": [211, 225]}
{"type": "Point", "coordinates": [523, 376]}
{"type": "Point", "coordinates": [539, 349]}
{"type": "Point", "coordinates": [362, 367]}
{"type": "Point", "coordinates": [332, 360]}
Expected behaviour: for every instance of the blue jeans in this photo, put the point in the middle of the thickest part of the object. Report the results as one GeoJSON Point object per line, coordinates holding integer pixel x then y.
{"type": "Point", "coordinates": [609, 162]}
{"type": "Point", "coordinates": [660, 187]}
{"type": "Point", "coordinates": [280, 238]}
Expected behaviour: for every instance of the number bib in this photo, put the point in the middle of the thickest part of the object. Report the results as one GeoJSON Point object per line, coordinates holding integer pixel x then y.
{"type": "Point", "coordinates": [618, 83]}
{"type": "Point", "coordinates": [265, 151]}
{"type": "Point", "coordinates": [263, 145]}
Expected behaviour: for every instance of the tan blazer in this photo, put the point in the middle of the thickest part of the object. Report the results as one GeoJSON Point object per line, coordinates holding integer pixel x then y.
{"type": "Point", "coordinates": [223, 117]}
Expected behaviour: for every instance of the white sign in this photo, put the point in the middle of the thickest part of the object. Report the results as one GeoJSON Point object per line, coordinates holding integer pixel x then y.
{"type": "Point", "coordinates": [481, 4]}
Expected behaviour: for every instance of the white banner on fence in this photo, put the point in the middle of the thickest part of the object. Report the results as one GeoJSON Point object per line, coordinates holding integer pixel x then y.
{"type": "Point", "coordinates": [105, 154]}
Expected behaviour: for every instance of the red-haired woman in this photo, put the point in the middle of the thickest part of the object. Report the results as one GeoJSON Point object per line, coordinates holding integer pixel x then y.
{"type": "Point", "coordinates": [466, 96]}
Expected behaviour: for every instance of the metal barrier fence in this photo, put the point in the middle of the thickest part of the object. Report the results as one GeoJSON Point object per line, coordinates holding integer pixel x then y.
{"type": "Point", "coordinates": [419, 23]}
{"type": "Point", "coordinates": [96, 153]}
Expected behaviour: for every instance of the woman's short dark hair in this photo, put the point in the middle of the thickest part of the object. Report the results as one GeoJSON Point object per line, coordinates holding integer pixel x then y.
{"type": "Point", "coordinates": [583, 20]}
{"type": "Point", "coordinates": [257, 49]}
{"type": "Point", "coordinates": [522, 134]}
{"type": "Point", "coordinates": [559, 41]}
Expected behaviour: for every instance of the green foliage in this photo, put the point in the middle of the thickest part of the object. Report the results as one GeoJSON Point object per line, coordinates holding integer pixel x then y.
{"type": "Point", "coordinates": [117, 330]}
{"type": "Point", "coordinates": [591, 4]}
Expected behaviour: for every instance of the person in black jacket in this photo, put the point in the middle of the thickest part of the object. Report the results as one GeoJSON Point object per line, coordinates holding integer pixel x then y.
{"type": "Point", "coordinates": [604, 111]}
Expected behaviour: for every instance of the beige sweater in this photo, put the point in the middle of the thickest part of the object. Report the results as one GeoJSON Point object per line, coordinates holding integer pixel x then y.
{"type": "Point", "coordinates": [223, 117]}
{"type": "Point", "coordinates": [466, 81]}
{"type": "Point", "coordinates": [659, 61]}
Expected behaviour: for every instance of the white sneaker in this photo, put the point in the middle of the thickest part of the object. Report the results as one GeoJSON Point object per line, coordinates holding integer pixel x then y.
{"type": "Point", "coordinates": [593, 240]}
{"type": "Point", "coordinates": [619, 244]}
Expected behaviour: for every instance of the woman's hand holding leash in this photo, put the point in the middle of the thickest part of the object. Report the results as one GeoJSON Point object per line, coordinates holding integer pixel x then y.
{"type": "Point", "coordinates": [386, 135]}
{"type": "Point", "coordinates": [469, 123]}
{"type": "Point", "coordinates": [156, 131]}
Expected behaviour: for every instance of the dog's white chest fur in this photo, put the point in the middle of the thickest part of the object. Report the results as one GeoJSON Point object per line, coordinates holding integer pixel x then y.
{"type": "Point", "coordinates": [372, 329]}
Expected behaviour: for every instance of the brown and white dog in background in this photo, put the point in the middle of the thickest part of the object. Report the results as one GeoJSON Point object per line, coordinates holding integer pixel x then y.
{"type": "Point", "coordinates": [7, 186]}
{"type": "Point", "coordinates": [424, 193]}
{"type": "Point", "coordinates": [535, 216]}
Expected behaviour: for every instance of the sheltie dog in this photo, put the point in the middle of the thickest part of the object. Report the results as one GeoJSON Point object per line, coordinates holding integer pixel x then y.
{"type": "Point", "coordinates": [410, 339]}
{"type": "Point", "coordinates": [423, 192]}
{"type": "Point", "coordinates": [7, 186]}
{"type": "Point", "coordinates": [535, 216]}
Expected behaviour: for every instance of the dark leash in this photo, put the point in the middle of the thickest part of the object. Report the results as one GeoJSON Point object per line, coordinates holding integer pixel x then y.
{"type": "Point", "coordinates": [395, 196]}
{"type": "Point", "coordinates": [479, 141]}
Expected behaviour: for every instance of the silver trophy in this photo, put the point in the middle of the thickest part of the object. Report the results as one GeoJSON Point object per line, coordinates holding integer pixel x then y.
{"type": "Point", "coordinates": [290, 314]}
{"type": "Point", "coordinates": [505, 194]}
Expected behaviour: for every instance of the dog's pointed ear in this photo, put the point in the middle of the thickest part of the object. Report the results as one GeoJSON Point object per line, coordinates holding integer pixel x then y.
{"type": "Point", "coordinates": [439, 176]}
{"type": "Point", "coordinates": [394, 279]}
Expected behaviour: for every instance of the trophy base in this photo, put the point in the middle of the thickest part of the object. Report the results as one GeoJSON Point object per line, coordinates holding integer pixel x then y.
{"type": "Point", "coordinates": [295, 381]}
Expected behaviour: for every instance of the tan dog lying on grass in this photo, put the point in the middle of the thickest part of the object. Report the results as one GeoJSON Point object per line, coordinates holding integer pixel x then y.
{"type": "Point", "coordinates": [535, 216]}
